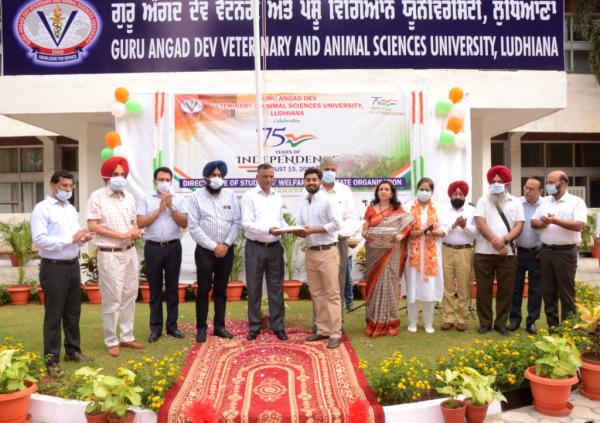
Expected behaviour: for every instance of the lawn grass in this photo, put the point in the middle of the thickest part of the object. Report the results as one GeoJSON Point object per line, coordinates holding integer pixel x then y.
{"type": "Point", "coordinates": [24, 323]}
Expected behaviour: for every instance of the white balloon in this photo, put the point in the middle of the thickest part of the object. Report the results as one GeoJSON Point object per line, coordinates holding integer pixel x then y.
{"type": "Point", "coordinates": [118, 110]}
{"type": "Point", "coordinates": [121, 151]}
{"type": "Point", "coordinates": [460, 140]}
{"type": "Point", "coordinates": [459, 110]}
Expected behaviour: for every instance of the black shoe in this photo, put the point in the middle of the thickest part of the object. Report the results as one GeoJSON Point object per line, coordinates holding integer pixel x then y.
{"type": "Point", "coordinates": [252, 335]}
{"type": "Point", "coordinates": [315, 337]}
{"type": "Point", "coordinates": [222, 333]}
{"type": "Point", "coordinates": [153, 337]}
{"type": "Point", "coordinates": [201, 335]}
{"type": "Point", "coordinates": [175, 333]}
{"type": "Point", "coordinates": [281, 335]}
{"type": "Point", "coordinates": [483, 329]}
{"type": "Point", "coordinates": [349, 307]}
{"type": "Point", "coordinates": [531, 329]}
{"type": "Point", "coordinates": [334, 342]}
{"type": "Point", "coordinates": [513, 326]}
{"type": "Point", "coordinates": [502, 331]}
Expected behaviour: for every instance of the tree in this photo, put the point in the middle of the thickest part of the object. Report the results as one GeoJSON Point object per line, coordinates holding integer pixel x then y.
{"type": "Point", "coordinates": [588, 27]}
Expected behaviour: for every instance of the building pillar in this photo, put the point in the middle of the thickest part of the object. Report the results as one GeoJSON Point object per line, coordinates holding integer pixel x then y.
{"type": "Point", "coordinates": [514, 161]}
{"type": "Point", "coordinates": [49, 160]}
{"type": "Point", "coordinates": [91, 142]}
{"type": "Point", "coordinates": [481, 147]}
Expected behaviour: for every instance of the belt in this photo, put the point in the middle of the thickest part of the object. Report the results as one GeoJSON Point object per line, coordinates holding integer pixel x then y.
{"type": "Point", "coordinates": [457, 246]}
{"type": "Point", "coordinates": [531, 250]}
{"type": "Point", "coordinates": [162, 243]}
{"type": "Point", "coordinates": [263, 244]}
{"type": "Point", "coordinates": [115, 250]}
{"type": "Point", "coordinates": [323, 247]}
{"type": "Point", "coordinates": [65, 262]}
{"type": "Point", "coordinates": [558, 247]}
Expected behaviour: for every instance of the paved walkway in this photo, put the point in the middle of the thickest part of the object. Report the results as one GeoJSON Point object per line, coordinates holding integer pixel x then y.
{"type": "Point", "coordinates": [585, 411]}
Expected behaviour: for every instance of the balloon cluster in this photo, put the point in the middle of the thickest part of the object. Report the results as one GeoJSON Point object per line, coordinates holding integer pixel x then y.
{"type": "Point", "coordinates": [113, 146]}
{"type": "Point", "coordinates": [454, 110]}
{"type": "Point", "coordinates": [124, 104]}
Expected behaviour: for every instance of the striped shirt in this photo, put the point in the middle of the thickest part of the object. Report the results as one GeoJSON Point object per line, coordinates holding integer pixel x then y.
{"type": "Point", "coordinates": [529, 238]}
{"type": "Point", "coordinates": [53, 224]}
{"type": "Point", "coordinates": [214, 219]}
{"type": "Point", "coordinates": [113, 211]}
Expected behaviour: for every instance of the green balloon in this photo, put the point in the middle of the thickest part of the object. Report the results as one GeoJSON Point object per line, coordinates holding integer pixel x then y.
{"type": "Point", "coordinates": [443, 106]}
{"type": "Point", "coordinates": [106, 153]}
{"type": "Point", "coordinates": [447, 138]}
{"type": "Point", "coordinates": [134, 107]}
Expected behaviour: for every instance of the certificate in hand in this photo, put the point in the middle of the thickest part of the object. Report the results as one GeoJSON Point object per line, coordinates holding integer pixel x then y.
{"type": "Point", "coordinates": [288, 229]}
{"type": "Point", "coordinates": [382, 237]}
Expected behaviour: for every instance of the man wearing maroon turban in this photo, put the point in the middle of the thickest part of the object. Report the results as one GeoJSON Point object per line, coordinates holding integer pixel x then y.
{"type": "Point", "coordinates": [457, 257]}
{"type": "Point", "coordinates": [499, 219]}
{"type": "Point", "coordinates": [111, 216]}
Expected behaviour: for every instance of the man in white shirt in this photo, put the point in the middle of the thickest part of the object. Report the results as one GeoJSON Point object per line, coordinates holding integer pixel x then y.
{"type": "Point", "coordinates": [341, 196]}
{"type": "Point", "coordinates": [164, 215]}
{"type": "Point", "coordinates": [319, 217]}
{"type": "Point", "coordinates": [56, 232]}
{"type": "Point", "coordinates": [457, 256]}
{"type": "Point", "coordinates": [499, 219]}
{"type": "Point", "coordinates": [560, 219]}
{"type": "Point", "coordinates": [262, 215]}
{"type": "Point", "coordinates": [214, 221]}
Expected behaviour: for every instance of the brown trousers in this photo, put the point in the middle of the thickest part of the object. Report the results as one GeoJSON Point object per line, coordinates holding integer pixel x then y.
{"type": "Point", "coordinates": [322, 268]}
{"type": "Point", "coordinates": [457, 284]}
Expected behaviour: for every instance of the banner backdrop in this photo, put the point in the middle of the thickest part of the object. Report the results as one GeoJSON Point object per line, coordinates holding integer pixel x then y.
{"type": "Point", "coordinates": [108, 36]}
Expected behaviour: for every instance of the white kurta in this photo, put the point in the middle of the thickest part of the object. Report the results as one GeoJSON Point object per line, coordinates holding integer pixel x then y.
{"type": "Point", "coordinates": [431, 288]}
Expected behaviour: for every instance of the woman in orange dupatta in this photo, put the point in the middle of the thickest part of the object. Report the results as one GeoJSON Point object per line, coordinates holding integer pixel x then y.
{"type": "Point", "coordinates": [384, 266]}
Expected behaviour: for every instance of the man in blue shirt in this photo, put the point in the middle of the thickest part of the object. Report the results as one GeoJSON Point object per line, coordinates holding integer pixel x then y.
{"type": "Point", "coordinates": [163, 215]}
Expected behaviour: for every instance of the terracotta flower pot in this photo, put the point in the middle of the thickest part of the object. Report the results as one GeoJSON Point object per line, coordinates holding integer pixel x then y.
{"type": "Point", "coordinates": [19, 295]}
{"type": "Point", "coordinates": [96, 418]}
{"type": "Point", "coordinates": [476, 413]}
{"type": "Point", "coordinates": [590, 374]}
{"type": "Point", "coordinates": [41, 295]}
{"type": "Point", "coordinates": [13, 261]}
{"type": "Point", "coordinates": [93, 293]}
{"type": "Point", "coordinates": [596, 249]}
{"type": "Point", "coordinates": [181, 292]}
{"type": "Point", "coordinates": [292, 289]}
{"type": "Point", "coordinates": [235, 290]}
{"type": "Point", "coordinates": [14, 406]}
{"type": "Point", "coordinates": [550, 396]}
{"type": "Point", "coordinates": [453, 415]}
{"type": "Point", "coordinates": [145, 291]}
{"type": "Point", "coordinates": [362, 286]}
{"type": "Point", "coordinates": [127, 419]}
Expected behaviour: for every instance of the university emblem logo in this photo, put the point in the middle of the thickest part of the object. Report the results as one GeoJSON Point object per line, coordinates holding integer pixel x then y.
{"type": "Point", "coordinates": [57, 32]}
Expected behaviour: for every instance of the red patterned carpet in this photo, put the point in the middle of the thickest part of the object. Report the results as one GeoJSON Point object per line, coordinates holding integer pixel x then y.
{"type": "Point", "coordinates": [269, 381]}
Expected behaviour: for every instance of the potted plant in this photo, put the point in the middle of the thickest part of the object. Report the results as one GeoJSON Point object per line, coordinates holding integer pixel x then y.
{"type": "Point", "coordinates": [479, 392]}
{"type": "Point", "coordinates": [361, 261]}
{"type": "Point", "coordinates": [288, 241]}
{"type": "Point", "coordinates": [235, 287]}
{"type": "Point", "coordinates": [18, 237]}
{"type": "Point", "coordinates": [453, 409]}
{"type": "Point", "coordinates": [144, 285]}
{"type": "Point", "coordinates": [93, 390]}
{"type": "Point", "coordinates": [553, 375]}
{"type": "Point", "coordinates": [590, 366]}
{"type": "Point", "coordinates": [587, 236]}
{"type": "Point", "coordinates": [89, 264]}
{"type": "Point", "coordinates": [16, 385]}
{"type": "Point", "coordinates": [120, 394]}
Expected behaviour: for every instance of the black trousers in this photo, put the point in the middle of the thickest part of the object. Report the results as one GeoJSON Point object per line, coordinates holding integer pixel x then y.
{"type": "Point", "coordinates": [528, 263]}
{"type": "Point", "coordinates": [212, 272]}
{"type": "Point", "coordinates": [260, 261]}
{"type": "Point", "coordinates": [558, 283]}
{"type": "Point", "coordinates": [62, 288]}
{"type": "Point", "coordinates": [163, 263]}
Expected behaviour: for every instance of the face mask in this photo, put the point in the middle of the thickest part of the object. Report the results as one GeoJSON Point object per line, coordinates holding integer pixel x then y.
{"type": "Point", "coordinates": [329, 176]}
{"type": "Point", "coordinates": [63, 195]}
{"type": "Point", "coordinates": [216, 182]}
{"type": "Point", "coordinates": [424, 196]}
{"type": "Point", "coordinates": [163, 186]}
{"type": "Point", "coordinates": [117, 183]}
{"type": "Point", "coordinates": [457, 203]}
{"type": "Point", "coordinates": [497, 188]}
{"type": "Point", "coordinates": [552, 189]}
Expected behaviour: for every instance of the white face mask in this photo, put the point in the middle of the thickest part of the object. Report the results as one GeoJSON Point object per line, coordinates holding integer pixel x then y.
{"type": "Point", "coordinates": [497, 188]}
{"type": "Point", "coordinates": [117, 183]}
{"type": "Point", "coordinates": [163, 186]}
{"type": "Point", "coordinates": [216, 182]}
{"type": "Point", "coordinates": [328, 176]}
{"type": "Point", "coordinates": [63, 196]}
{"type": "Point", "coordinates": [424, 196]}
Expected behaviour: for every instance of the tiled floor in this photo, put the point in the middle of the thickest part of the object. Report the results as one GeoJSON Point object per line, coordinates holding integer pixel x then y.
{"type": "Point", "coordinates": [585, 411]}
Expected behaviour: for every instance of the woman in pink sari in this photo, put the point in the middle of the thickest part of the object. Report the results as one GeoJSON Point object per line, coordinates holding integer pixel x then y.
{"type": "Point", "coordinates": [384, 266]}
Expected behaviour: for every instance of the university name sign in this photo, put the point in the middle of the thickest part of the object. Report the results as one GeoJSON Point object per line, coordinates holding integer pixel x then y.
{"type": "Point", "coordinates": [107, 36]}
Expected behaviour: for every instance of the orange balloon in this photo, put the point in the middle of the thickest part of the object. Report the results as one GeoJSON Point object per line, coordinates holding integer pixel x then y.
{"type": "Point", "coordinates": [112, 139]}
{"type": "Point", "coordinates": [121, 95]}
{"type": "Point", "coordinates": [456, 94]}
{"type": "Point", "coordinates": [455, 124]}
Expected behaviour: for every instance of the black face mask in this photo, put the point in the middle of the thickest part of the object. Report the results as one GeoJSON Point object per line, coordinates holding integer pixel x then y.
{"type": "Point", "coordinates": [457, 203]}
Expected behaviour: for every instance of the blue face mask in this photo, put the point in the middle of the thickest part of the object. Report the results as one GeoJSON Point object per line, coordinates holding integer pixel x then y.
{"type": "Point", "coordinates": [328, 176]}
{"type": "Point", "coordinates": [552, 189]}
{"type": "Point", "coordinates": [63, 196]}
{"type": "Point", "coordinates": [117, 183]}
{"type": "Point", "coordinates": [497, 188]}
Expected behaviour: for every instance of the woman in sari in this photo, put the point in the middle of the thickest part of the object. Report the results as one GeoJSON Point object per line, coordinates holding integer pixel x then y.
{"type": "Point", "coordinates": [384, 266]}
